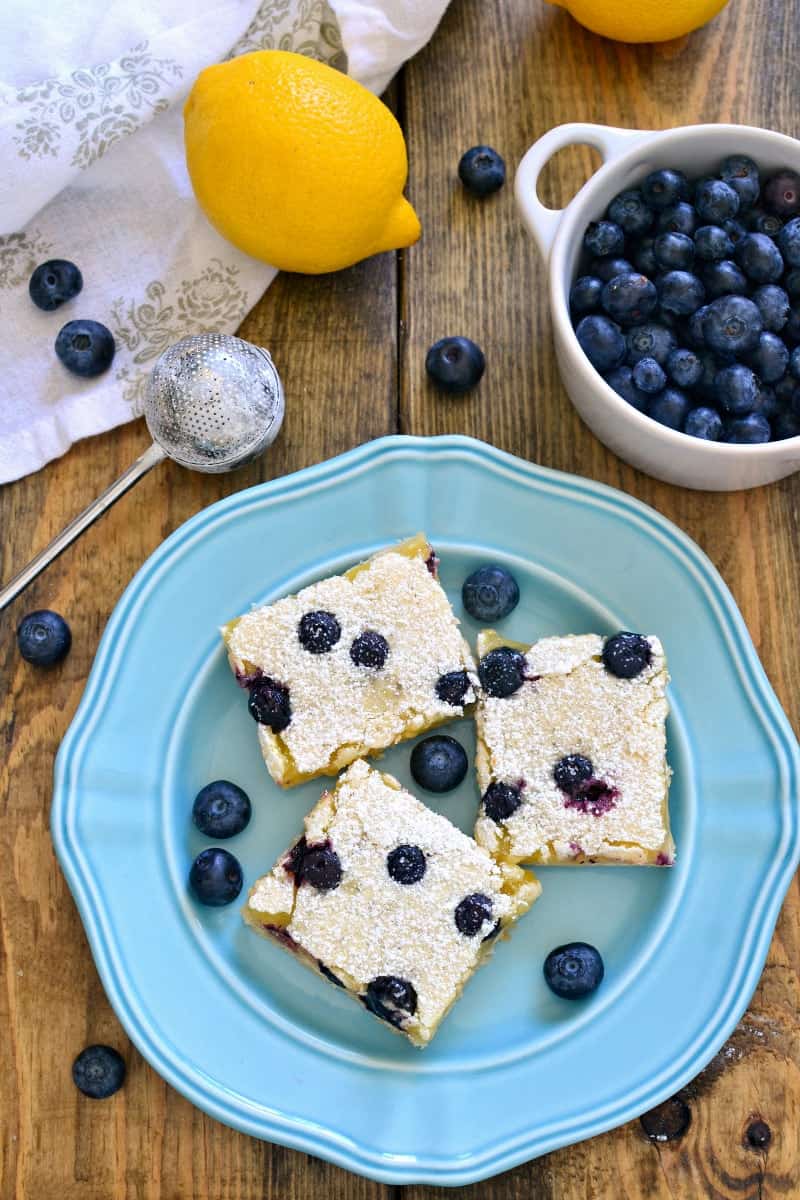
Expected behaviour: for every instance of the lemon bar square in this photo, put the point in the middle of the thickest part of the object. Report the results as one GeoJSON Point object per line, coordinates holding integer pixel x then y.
{"type": "Point", "coordinates": [388, 900]}
{"type": "Point", "coordinates": [352, 664]}
{"type": "Point", "coordinates": [571, 755]}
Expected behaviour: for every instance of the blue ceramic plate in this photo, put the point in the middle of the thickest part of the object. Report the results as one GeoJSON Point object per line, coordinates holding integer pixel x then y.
{"type": "Point", "coordinates": [257, 1040]}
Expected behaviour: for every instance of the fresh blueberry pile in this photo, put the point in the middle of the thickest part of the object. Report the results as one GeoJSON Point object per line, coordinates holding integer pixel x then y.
{"type": "Point", "coordinates": [689, 306]}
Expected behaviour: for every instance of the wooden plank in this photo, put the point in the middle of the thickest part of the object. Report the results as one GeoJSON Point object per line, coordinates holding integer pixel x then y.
{"type": "Point", "coordinates": [333, 340]}
{"type": "Point", "coordinates": [504, 74]}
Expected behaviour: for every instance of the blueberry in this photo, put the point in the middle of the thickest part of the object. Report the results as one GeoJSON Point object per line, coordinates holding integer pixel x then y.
{"type": "Point", "coordinates": [785, 424]}
{"type": "Point", "coordinates": [759, 221]}
{"type": "Point", "coordinates": [574, 970]}
{"type": "Point", "coordinates": [782, 194]}
{"type": "Point", "coordinates": [648, 376]}
{"type": "Point", "coordinates": [601, 341]}
{"type": "Point", "coordinates": [684, 368]}
{"type": "Point", "coordinates": [724, 279]}
{"type": "Point", "coordinates": [694, 328]}
{"type": "Point", "coordinates": [85, 347]}
{"type": "Point", "coordinates": [626, 654]}
{"type": "Point", "coordinates": [621, 380]}
{"type": "Point", "coordinates": [674, 252]}
{"type": "Point", "coordinates": [482, 170]}
{"type": "Point", "coordinates": [53, 283]}
{"type": "Point", "coordinates": [737, 389]}
{"type": "Point", "coordinates": [584, 296]}
{"type": "Point", "coordinates": [317, 864]}
{"type": "Point", "coordinates": [452, 687]}
{"type": "Point", "coordinates": [712, 244]}
{"type": "Point", "coordinates": [705, 384]}
{"type": "Point", "coordinates": [604, 238]}
{"type": "Point", "coordinates": [770, 358]}
{"type": "Point", "coordinates": [789, 242]}
{"type": "Point", "coordinates": [741, 173]}
{"type": "Point", "coordinates": [759, 258]}
{"type": "Point", "coordinates": [221, 809]}
{"type": "Point", "coordinates": [680, 292]}
{"type": "Point", "coordinates": [406, 864]}
{"type": "Point", "coordinates": [785, 390]}
{"type": "Point", "coordinates": [732, 325]}
{"type": "Point", "coordinates": [438, 763]}
{"type": "Point", "coordinates": [472, 913]}
{"type": "Point", "coordinates": [794, 362]}
{"type": "Point", "coordinates": [369, 649]}
{"type": "Point", "coordinates": [791, 329]}
{"type": "Point", "coordinates": [490, 593]}
{"type": "Point", "coordinates": [649, 341]}
{"type": "Point", "coordinates": [318, 632]}
{"type": "Point", "coordinates": [269, 704]}
{"type": "Point", "coordinates": [736, 230]}
{"type": "Point", "coordinates": [792, 283]}
{"type": "Point", "coordinates": [715, 201]}
{"type": "Point", "coordinates": [704, 423]}
{"type": "Point", "coordinates": [629, 210]}
{"type": "Point", "coordinates": [215, 877]}
{"type": "Point", "coordinates": [663, 188]}
{"type": "Point", "coordinates": [43, 637]}
{"type": "Point", "coordinates": [678, 218]}
{"type": "Point", "coordinates": [750, 429]}
{"type": "Point", "coordinates": [98, 1072]}
{"type": "Point", "coordinates": [501, 800]}
{"type": "Point", "coordinates": [669, 408]}
{"type": "Point", "coordinates": [455, 364]}
{"type": "Point", "coordinates": [773, 304]}
{"type": "Point", "coordinates": [573, 770]}
{"type": "Point", "coordinates": [767, 402]}
{"type": "Point", "coordinates": [502, 671]}
{"type": "Point", "coordinates": [607, 268]}
{"type": "Point", "coordinates": [391, 998]}
{"type": "Point", "coordinates": [643, 257]}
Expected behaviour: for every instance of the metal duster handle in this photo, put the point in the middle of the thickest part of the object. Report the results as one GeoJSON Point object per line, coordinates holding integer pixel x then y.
{"type": "Point", "coordinates": [153, 455]}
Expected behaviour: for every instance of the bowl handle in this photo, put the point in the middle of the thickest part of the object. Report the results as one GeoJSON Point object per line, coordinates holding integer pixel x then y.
{"type": "Point", "coordinates": [543, 222]}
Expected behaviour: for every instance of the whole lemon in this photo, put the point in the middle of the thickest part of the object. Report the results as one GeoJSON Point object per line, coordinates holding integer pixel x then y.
{"type": "Point", "coordinates": [644, 20]}
{"type": "Point", "coordinates": [297, 164]}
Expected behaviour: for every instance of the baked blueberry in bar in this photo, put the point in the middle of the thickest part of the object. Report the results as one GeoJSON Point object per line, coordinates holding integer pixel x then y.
{"type": "Point", "coordinates": [352, 664]}
{"type": "Point", "coordinates": [571, 755]}
{"type": "Point", "coordinates": [388, 900]}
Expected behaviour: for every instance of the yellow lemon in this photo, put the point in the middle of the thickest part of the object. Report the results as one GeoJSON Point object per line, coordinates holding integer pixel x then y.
{"type": "Point", "coordinates": [297, 164]}
{"type": "Point", "coordinates": [644, 20]}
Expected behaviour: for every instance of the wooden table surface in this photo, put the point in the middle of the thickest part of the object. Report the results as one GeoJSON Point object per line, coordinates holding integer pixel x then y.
{"type": "Point", "coordinates": [350, 348]}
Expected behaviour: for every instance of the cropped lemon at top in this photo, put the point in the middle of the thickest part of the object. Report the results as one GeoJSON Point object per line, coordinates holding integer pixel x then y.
{"type": "Point", "coordinates": [352, 664]}
{"type": "Point", "coordinates": [388, 900]}
{"type": "Point", "coordinates": [571, 756]}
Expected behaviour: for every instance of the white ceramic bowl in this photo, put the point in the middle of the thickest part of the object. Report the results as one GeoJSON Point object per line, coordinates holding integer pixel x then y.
{"type": "Point", "coordinates": [629, 155]}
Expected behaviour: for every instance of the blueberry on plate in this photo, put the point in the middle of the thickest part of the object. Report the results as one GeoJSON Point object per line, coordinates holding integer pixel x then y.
{"type": "Point", "coordinates": [732, 325]}
{"type": "Point", "coordinates": [85, 348]}
{"type": "Point", "coordinates": [629, 210]}
{"type": "Point", "coordinates": [773, 304]}
{"type": "Point", "coordinates": [648, 376]}
{"type": "Point", "coordinates": [604, 238]}
{"type": "Point", "coordinates": [221, 809]}
{"type": "Point", "coordinates": [781, 194]}
{"type": "Point", "coordinates": [770, 358]}
{"type": "Point", "coordinates": [482, 170]}
{"type": "Point", "coordinates": [98, 1072]}
{"type": "Point", "coordinates": [608, 268]}
{"type": "Point", "coordinates": [715, 201]}
{"type": "Point", "coordinates": [584, 296]}
{"type": "Point", "coordinates": [502, 671]}
{"type": "Point", "coordinates": [741, 173]}
{"type": "Point", "coordinates": [677, 218]}
{"type": "Point", "coordinates": [669, 408]}
{"type": "Point", "coordinates": [43, 638]}
{"type": "Point", "coordinates": [674, 252]}
{"type": "Point", "coordinates": [737, 389]}
{"type": "Point", "coordinates": [759, 258]}
{"type": "Point", "coordinates": [684, 367]}
{"type": "Point", "coordinates": [455, 364]}
{"type": "Point", "coordinates": [438, 763]}
{"type": "Point", "coordinates": [748, 430]}
{"type": "Point", "coordinates": [626, 654]}
{"type": "Point", "coordinates": [621, 380]}
{"type": "Point", "coordinates": [665, 187]}
{"type": "Point", "coordinates": [601, 341]}
{"type": "Point", "coordinates": [649, 341]}
{"type": "Point", "coordinates": [724, 279]}
{"type": "Point", "coordinates": [573, 970]}
{"type": "Point", "coordinates": [680, 292]}
{"type": "Point", "coordinates": [215, 877]}
{"type": "Point", "coordinates": [490, 593]}
{"type": "Point", "coordinates": [705, 423]}
{"type": "Point", "coordinates": [53, 283]}
{"type": "Point", "coordinates": [712, 244]}
{"type": "Point", "coordinates": [789, 242]}
{"type": "Point", "coordinates": [629, 299]}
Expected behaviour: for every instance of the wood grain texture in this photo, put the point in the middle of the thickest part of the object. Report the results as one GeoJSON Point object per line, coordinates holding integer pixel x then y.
{"type": "Point", "coordinates": [500, 72]}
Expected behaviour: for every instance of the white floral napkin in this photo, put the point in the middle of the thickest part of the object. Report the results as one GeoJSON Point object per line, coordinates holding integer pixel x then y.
{"type": "Point", "coordinates": [91, 143]}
